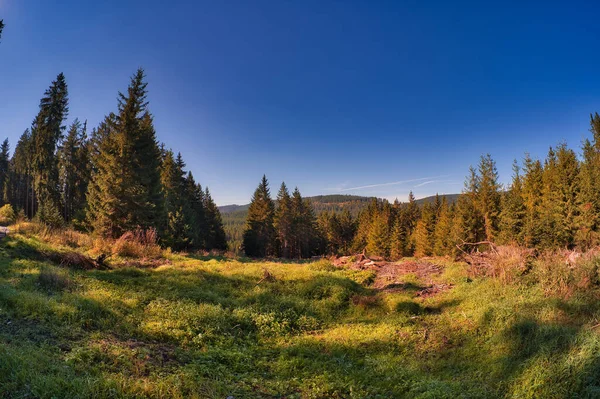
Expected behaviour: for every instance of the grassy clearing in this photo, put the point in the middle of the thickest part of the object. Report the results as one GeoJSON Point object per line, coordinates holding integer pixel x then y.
{"type": "Point", "coordinates": [201, 327]}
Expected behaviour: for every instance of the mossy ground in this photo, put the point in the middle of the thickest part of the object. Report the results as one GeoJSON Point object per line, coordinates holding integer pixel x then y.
{"type": "Point", "coordinates": [202, 327]}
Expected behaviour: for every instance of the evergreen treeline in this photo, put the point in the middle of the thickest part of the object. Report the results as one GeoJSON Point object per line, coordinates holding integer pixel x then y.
{"type": "Point", "coordinates": [550, 204]}
{"type": "Point", "coordinates": [234, 216]}
{"type": "Point", "coordinates": [287, 230]}
{"type": "Point", "coordinates": [114, 180]}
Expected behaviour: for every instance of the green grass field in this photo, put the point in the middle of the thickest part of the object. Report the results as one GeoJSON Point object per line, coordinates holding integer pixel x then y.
{"type": "Point", "coordinates": [210, 328]}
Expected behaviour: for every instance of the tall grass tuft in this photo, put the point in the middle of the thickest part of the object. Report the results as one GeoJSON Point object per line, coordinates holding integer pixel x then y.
{"type": "Point", "coordinates": [139, 243]}
{"type": "Point", "coordinates": [54, 280]}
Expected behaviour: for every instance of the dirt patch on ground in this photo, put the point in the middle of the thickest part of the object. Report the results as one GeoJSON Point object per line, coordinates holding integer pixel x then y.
{"type": "Point", "coordinates": [390, 276]}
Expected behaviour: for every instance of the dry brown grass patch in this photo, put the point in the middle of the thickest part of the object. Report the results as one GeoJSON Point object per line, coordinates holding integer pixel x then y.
{"type": "Point", "coordinates": [506, 263]}
{"type": "Point", "coordinates": [140, 243]}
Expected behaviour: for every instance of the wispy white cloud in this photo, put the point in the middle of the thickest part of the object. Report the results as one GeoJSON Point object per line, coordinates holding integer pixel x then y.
{"type": "Point", "coordinates": [436, 181]}
{"type": "Point", "coordinates": [394, 183]}
{"type": "Point", "coordinates": [427, 182]}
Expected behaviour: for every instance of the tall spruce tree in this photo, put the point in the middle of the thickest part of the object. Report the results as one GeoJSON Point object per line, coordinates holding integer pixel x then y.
{"type": "Point", "coordinates": [259, 234]}
{"type": "Point", "coordinates": [216, 238]}
{"type": "Point", "coordinates": [549, 203]}
{"type": "Point", "coordinates": [194, 195]}
{"type": "Point", "coordinates": [533, 184]}
{"type": "Point", "coordinates": [588, 218]}
{"type": "Point", "coordinates": [47, 131]}
{"type": "Point", "coordinates": [488, 196]}
{"type": "Point", "coordinates": [303, 226]}
{"type": "Point", "coordinates": [469, 224]}
{"type": "Point", "coordinates": [178, 232]}
{"type": "Point", "coordinates": [378, 241]}
{"type": "Point", "coordinates": [422, 236]}
{"type": "Point", "coordinates": [442, 243]}
{"type": "Point", "coordinates": [512, 215]}
{"type": "Point", "coordinates": [284, 221]}
{"type": "Point", "coordinates": [568, 188]}
{"type": "Point", "coordinates": [398, 237]}
{"type": "Point", "coordinates": [412, 213]}
{"type": "Point", "coordinates": [125, 190]}
{"type": "Point", "coordinates": [408, 216]}
{"type": "Point", "coordinates": [4, 170]}
{"type": "Point", "coordinates": [73, 162]}
{"type": "Point", "coordinates": [421, 239]}
{"type": "Point", "coordinates": [20, 190]}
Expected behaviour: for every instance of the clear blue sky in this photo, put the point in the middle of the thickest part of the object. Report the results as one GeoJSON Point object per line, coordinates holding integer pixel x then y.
{"type": "Point", "coordinates": [356, 97]}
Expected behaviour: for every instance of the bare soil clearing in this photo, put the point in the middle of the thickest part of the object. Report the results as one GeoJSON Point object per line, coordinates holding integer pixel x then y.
{"type": "Point", "coordinates": [391, 276]}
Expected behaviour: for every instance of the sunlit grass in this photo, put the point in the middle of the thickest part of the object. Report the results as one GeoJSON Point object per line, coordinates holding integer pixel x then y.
{"type": "Point", "coordinates": [199, 327]}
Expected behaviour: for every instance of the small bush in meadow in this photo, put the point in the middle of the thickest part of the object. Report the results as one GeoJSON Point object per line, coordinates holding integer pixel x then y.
{"type": "Point", "coordinates": [510, 262]}
{"type": "Point", "coordinates": [557, 274]}
{"type": "Point", "coordinates": [7, 215]}
{"type": "Point", "coordinates": [26, 227]}
{"type": "Point", "coordinates": [140, 243]}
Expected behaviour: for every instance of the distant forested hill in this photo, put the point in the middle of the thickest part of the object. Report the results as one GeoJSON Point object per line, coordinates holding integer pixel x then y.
{"type": "Point", "coordinates": [451, 198]}
{"type": "Point", "coordinates": [234, 216]}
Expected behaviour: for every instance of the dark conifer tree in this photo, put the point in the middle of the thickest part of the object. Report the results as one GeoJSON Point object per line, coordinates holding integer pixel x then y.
{"type": "Point", "coordinates": [178, 232]}
{"type": "Point", "coordinates": [194, 196]}
{"type": "Point", "coordinates": [488, 196]}
{"type": "Point", "coordinates": [4, 171]}
{"type": "Point", "coordinates": [125, 192]}
{"type": "Point", "coordinates": [284, 221]}
{"type": "Point", "coordinates": [73, 163]}
{"type": "Point", "coordinates": [216, 233]}
{"type": "Point", "coordinates": [568, 187]}
{"type": "Point", "coordinates": [588, 201]}
{"type": "Point", "coordinates": [469, 224]}
{"type": "Point", "coordinates": [512, 215]}
{"type": "Point", "coordinates": [533, 184]}
{"type": "Point", "coordinates": [398, 238]}
{"type": "Point", "coordinates": [259, 234]}
{"type": "Point", "coordinates": [337, 230]}
{"type": "Point", "coordinates": [47, 131]}
{"type": "Point", "coordinates": [19, 189]}
{"type": "Point", "coordinates": [303, 226]}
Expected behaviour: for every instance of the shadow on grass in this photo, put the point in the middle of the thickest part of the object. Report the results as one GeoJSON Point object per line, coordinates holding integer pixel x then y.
{"type": "Point", "coordinates": [413, 308]}
{"type": "Point", "coordinates": [245, 259]}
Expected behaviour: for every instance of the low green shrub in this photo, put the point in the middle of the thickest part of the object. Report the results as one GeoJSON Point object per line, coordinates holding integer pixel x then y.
{"type": "Point", "coordinates": [7, 215]}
